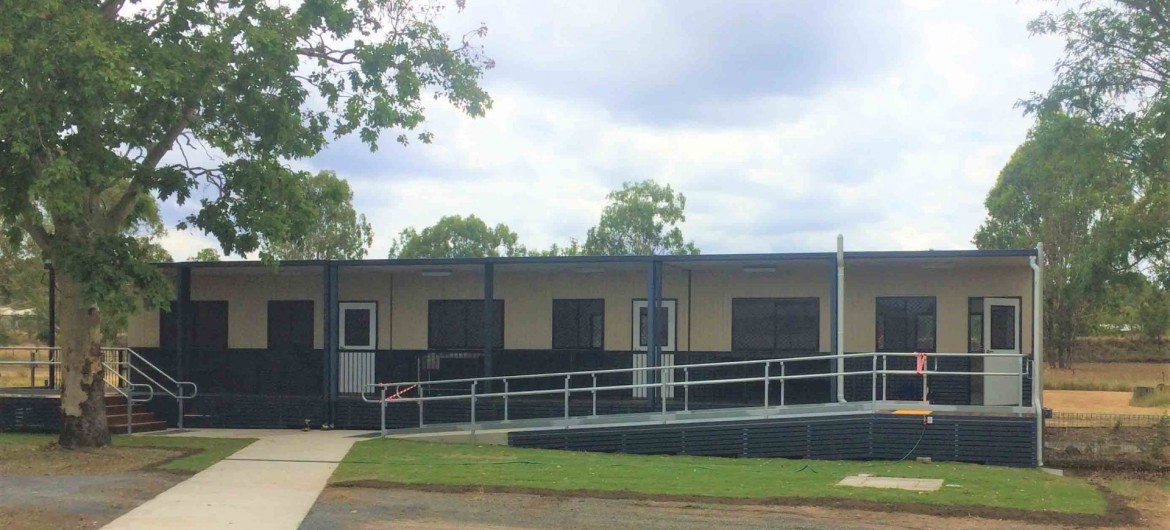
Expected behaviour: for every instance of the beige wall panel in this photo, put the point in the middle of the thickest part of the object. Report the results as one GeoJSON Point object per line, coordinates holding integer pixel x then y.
{"type": "Point", "coordinates": [142, 329]}
{"type": "Point", "coordinates": [412, 293]}
{"type": "Point", "coordinates": [248, 295]}
{"type": "Point", "coordinates": [864, 282]}
{"type": "Point", "coordinates": [370, 286]}
{"type": "Point", "coordinates": [714, 289]}
{"type": "Point", "coordinates": [528, 297]}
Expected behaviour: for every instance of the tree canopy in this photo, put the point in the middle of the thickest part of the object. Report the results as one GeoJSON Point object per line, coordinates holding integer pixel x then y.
{"type": "Point", "coordinates": [455, 236]}
{"type": "Point", "coordinates": [329, 228]}
{"type": "Point", "coordinates": [206, 255]}
{"type": "Point", "coordinates": [106, 106]}
{"type": "Point", "coordinates": [1065, 188]}
{"type": "Point", "coordinates": [640, 219]}
{"type": "Point", "coordinates": [1115, 74]}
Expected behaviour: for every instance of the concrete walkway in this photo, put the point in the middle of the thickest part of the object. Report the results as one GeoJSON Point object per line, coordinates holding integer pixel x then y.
{"type": "Point", "coordinates": [271, 484]}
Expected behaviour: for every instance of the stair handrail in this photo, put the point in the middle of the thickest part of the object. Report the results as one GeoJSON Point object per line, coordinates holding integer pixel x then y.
{"type": "Point", "coordinates": [135, 356]}
{"type": "Point", "coordinates": [179, 395]}
{"type": "Point", "coordinates": [129, 394]}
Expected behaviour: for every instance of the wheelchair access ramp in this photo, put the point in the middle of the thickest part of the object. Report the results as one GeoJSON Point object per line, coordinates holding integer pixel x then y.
{"type": "Point", "coordinates": [595, 411]}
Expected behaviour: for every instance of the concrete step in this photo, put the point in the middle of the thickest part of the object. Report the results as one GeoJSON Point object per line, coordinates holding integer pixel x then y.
{"type": "Point", "coordinates": [119, 420]}
{"type": "Point", "coordinates": [150, 426]}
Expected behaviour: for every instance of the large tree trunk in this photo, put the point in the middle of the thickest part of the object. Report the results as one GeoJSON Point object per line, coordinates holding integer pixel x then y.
{"type": "Point", "coordinates": [83, 391]}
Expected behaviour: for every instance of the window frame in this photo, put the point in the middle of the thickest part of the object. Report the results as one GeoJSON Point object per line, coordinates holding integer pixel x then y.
{"type": "Point", "coordinates": [776, 302]}
{"type": "Point", "coordinates": [372, 309]}
{"type": "Point", "coordinates": [478, 306]}
{"type": "Point", "coordinates": [636, 305]}
{"type": "Point", "coordinates": [168, 319]}
{"type": "Point", "coordinates": [910, 319]}
{"type": "Point", "coordinates": [578, 304]}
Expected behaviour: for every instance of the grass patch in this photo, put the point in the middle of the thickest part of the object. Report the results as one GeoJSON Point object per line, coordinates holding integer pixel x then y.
{"type": "Point", "coordinates": [1106, 377]}
{"type": "Point", "coordinates": [1154, 399]}
{"type": "Point", "coordinates": [36, 454]}
{"type": "Point", "coordinates": [420, 463]}
{"type": "Point", "coordinates": [203, 451]}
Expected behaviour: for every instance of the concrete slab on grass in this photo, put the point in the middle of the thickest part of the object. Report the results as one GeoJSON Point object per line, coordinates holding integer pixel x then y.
{"type": "Point", "coordinates": [909, 484]}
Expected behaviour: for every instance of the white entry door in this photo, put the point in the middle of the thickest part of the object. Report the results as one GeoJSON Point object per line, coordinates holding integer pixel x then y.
{"type": "Point", "coordinates": [640, 334]}
{"type": "Point", "coordinates": [357, 336]}
{"type": "Point", "coordinates": [1001, 334]}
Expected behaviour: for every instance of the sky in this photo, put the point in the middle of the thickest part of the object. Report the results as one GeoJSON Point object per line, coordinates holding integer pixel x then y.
{"type": "Point", "coordinates": [784, 123]}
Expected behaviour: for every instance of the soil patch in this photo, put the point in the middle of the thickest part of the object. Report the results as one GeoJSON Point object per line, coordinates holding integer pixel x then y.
{"type": "Point", "coordinates": [1118, 512]}
{"type": "Point", "coordinates": [356, 508]}
{"type": "Point", "coordinates": [17, 459]}
{"type": "Point", "coordinates": [75, 501]}
{"type": "Point", "coordinates": [1093, 402]}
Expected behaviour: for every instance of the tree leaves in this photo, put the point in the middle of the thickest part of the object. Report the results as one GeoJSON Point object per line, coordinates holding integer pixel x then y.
{"type": "Point", "coordinates": [640, 219]}
{"type": "Point", "coordinates": [212, 100]}
{"type": "Point", "coordinates": [455, 236]}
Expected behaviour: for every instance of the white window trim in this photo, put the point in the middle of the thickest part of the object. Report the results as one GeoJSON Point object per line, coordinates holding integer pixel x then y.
{"type": "Point", "coordinates": [372, 307]}
{"type": "Point", "coordinates": [672, 306]}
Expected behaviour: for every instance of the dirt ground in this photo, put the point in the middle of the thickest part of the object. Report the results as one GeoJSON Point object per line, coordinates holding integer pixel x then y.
{"type": "Point", "coordinates": [372, 509]}
{"type": "Point", "coordinates": [46, 488]}
{"type": "Point", "coordinates": [71, 502]}
{"type": "Point", "coordinates": [1089, 402]}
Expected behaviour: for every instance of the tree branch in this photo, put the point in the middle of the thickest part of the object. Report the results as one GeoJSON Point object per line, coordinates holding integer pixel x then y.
{"type": "Point", "coordinates": [126, 203]}
{"type": "Point", "coordinates": [110, 8]}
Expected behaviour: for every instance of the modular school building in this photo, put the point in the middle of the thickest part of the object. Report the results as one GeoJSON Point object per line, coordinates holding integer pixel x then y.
{"type": "Point", "coordinates": [275, 346]}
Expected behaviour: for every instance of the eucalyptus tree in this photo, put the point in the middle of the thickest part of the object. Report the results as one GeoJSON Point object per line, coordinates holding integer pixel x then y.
{"type": "Point", "coordinates": [107, 106]}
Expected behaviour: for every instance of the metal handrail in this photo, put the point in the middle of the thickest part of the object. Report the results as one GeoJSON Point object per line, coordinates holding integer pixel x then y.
{"type": "Point", "coordinates": [129, 395]}
{"type": "Point", "coordinates": [131, 365]}
{"type": "Point", "coordinates": [706, 365]}
{"type": "Point", "coordinates": [593, 389]}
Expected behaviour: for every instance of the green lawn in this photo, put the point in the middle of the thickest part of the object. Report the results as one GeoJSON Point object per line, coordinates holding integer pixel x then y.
{"type": "Point", "coordinates": [408, 462]}
{"type": "Point", "coordinates": [210, 450]}
{"type": "Point", "coordinates": [206, 451]}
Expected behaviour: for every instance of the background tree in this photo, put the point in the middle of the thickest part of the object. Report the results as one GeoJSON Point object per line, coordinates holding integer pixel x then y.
{"type": "Point", "coordinates": [1065, 188]}
{"type": "Point", "coordinates": [455, 236]}
{"type": "Point", "coordinates": [205, 255]}
{"type": "Point", "coordinates": [107, 105]}
{"type": "Point", "coordinates": [640, 219]}
{"type": "Point", "coordinates": [1115, 74]}
{"type": "Point", "coordinates": [329, 228]}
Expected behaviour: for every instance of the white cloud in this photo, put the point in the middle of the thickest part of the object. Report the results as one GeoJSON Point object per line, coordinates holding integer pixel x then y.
{"type": "Point", "coordinates": [900, 159]}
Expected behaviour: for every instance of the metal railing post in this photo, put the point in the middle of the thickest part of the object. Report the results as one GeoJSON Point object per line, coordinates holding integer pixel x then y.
{"type": "Point", "coordinates": [873, 380]}
{"type": "Point", "coordinates": [686, 389]}
{"type": "Point", "coordinates": [129, 411]}
{"type": "Point", "coordinates": [383, 406]}
{"type": "Point", "coordinates": [420, 405]}
{"type": "Point", "coordinates": [181, 414]}
{"type": "Point", "coordinates": [567, 377]}
{"type": "Point", "coordinates": [884, 376]}
{"type": "Point", "coordinates": [783, 380]}
{"type": "Point", "coordinates": [662, 398]}
{"type": "Point", "coordinates": [505, 400]}
{"type": "Point", "coordinates": [767, 382]}
{"type": "Point", "coordinates": [32, 374]}
{"type": "Point", "coordinates": [594, 392]}
{"type": "Point", "coordinates": [473, 383]}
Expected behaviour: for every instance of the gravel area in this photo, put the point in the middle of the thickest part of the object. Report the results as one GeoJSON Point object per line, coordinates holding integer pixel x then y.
{"type": "Point", "coordinates": [67, 502]}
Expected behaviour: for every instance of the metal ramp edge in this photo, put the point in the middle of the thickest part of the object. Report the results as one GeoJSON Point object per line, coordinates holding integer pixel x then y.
{"type": "Point", "coordinates": [698, 416]}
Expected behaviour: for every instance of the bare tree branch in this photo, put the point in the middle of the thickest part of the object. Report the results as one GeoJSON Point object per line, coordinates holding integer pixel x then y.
{"type": "Point", "coordinates": [129, 198]}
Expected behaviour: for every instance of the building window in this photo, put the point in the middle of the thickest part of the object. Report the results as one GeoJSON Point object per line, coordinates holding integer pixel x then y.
{"type": "Point", "coordinates": [358, 325]}
{"type": "Point", "coordinates": [906, 324]}
{"type": "Point", "coordinates": [974, 325]}
{"type": "Point", "coordinates": [664, 320]}
{"type": "Point", "coordinates": [207, 325]}
{"type": "Point", "coordinates": [458, 324]}
{"type": "Point", "coordinates": [578, 324]}
{"type": "Point", "coordinates": [290, 326]}
{"type": "Point", "coordinates": [775, 324]}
